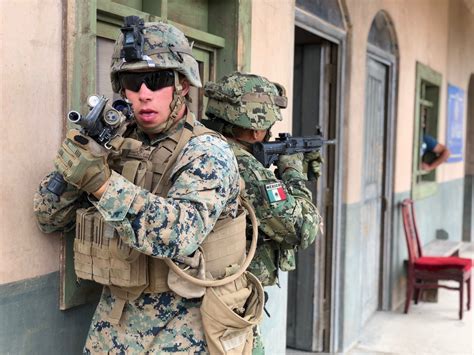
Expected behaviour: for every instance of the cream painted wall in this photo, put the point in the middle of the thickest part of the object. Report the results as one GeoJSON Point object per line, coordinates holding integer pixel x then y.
{"type": "Point", "coordinates": [273, 26]}
{"type": "Point", "coordinates": [422, 32]}
{"type": "Point", "coordinates": [272, 55]}
{"type": "Point", "coordinates": [30, 110]}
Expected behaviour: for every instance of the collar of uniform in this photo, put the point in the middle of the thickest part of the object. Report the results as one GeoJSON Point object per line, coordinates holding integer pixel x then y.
{"type": "Point", "coordinates": [161, 136]}
{"type": "Point", "coordinates": [243, 145]}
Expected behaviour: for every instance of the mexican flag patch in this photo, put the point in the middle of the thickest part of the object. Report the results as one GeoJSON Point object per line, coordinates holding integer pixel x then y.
{"type": "Point", "coordinates": [275, 192]}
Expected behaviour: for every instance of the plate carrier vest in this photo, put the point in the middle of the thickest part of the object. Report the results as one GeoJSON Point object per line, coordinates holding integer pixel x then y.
{"type": "Point", "coordinates": [101, 256]}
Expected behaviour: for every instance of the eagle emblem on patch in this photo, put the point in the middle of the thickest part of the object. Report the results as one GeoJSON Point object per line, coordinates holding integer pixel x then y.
{"type": "Point", "coordinates": [275, 192]}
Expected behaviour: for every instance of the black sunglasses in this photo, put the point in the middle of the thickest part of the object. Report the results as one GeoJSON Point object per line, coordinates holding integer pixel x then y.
{"type": "Point", "coordinates": [153, 80]}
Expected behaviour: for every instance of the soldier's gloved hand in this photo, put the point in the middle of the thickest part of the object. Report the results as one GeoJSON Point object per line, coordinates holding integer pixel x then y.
{"type": "Point", "coordinates": [312, 163]}
{"type": "Point", "coordinates": [292, 161]}
{"type": "Point", "coordinates": [82, 162]}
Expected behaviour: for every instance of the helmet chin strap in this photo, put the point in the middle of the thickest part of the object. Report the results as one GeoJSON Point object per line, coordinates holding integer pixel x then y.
{"type": "Point", "coordinates": [175, 106]}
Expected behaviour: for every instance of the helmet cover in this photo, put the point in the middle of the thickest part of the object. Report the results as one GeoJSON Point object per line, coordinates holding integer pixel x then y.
{"type": "Point", "coordinates": [245, 100]}
{"type": "Point", "coordinates": [163, 47]}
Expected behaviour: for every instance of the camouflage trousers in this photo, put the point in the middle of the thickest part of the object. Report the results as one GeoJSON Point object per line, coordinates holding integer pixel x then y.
{"type": "Point", "coordinates": [258, 347]}
{"type": "Point", "coordinates": [153, 323]}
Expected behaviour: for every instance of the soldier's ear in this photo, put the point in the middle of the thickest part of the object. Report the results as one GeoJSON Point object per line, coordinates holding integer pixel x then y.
{"type": "Point", "coordinates": [254, 134]}
{"type": "Point", "coordinates": [258, 135]}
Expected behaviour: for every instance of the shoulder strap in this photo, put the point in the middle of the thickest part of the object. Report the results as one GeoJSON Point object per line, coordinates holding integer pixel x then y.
{"type": "Point", "coordinates": [190, 130]}
{"type": "Point", "coordinates": [186, 135]}
{"type": "Point", "coordinates": [200, 130]}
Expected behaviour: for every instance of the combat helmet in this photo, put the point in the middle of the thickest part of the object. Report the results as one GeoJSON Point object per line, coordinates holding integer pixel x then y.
{"type": "Point", "coordinates": [245, 100]}
{"type": "Point", "coordinates": [152, 46]}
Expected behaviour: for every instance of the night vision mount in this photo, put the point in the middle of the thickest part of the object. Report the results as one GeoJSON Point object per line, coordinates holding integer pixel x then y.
{"type": "Point", "coordinates": [133, 39]}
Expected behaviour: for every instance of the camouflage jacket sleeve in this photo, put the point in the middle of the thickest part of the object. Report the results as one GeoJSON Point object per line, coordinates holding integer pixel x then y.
{"type": "Point", "coordinates": [283, 207]}
{"type": "Point", "coordinates": [206, 186]}
{"type": "Point", "coordinates": [59, 215]}
{"type": "Point", "coordinates": [312, 224]}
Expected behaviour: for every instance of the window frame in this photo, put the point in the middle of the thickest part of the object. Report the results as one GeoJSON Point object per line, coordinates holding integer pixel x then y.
{"type": "Point", "coordinates": [425, 76]}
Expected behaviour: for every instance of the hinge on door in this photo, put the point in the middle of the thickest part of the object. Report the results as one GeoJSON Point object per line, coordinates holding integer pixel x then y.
{"type": "Point", "coordinates": [330, 73]}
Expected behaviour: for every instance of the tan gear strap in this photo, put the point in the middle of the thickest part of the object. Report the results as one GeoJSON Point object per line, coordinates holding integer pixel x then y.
{"type": "Point", "coordinates": [240, 271]}
{"type": "Point", "coordinates": [178, 99]}
{"type": "Point", "coordinates": [263, 98]}
{"type": "Point", "coordinates": [158, 272]}
{"type": "Point", "coordinates": [126, 143]}
{"type": "Point", "coordinates": [122, 295]}
{"type": "Point", "coordinates": [183, 139]}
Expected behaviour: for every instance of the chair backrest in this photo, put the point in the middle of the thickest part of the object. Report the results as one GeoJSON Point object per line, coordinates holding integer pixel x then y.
{"type": "Point", "coordinates": [411, 230]}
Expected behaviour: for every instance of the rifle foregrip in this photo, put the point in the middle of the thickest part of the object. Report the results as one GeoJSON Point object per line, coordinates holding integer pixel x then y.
{"type": "Point", "coordinates": [57, 185]}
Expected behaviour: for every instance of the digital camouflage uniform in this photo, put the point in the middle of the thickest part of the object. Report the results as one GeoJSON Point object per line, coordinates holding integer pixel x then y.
{"type": "Point", "coordinates": [288, 223]}
{"type": "Point", "coordinates": [205, 188]}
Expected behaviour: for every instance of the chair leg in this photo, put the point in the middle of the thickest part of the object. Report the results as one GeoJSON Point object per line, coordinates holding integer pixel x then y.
{"type": "Point", "coordinates": [417, 295]}
{"type": "Point", "coordinates": [468, 284]}
{"type": "Point", "coordinates": [409, 294]}
{"type": "Point", "coordinates": [461, 294]}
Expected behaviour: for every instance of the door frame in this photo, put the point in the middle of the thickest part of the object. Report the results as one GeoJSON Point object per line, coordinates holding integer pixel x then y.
{"type": "Point", "coordinates": [468, 203]}
{"type": "Point", "coordinates": [390, 61]}
{"type": "Point", "coordinates": [338, 37]}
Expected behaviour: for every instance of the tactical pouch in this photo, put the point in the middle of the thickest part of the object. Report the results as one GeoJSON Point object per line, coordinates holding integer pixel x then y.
{"type": "Point", "coordinates": [83, 243]}
{"type": "Point", "coordinates": [101, 256]}
{"type": "Point", "coordinates": [225, 245]}
{"type": "Point", "coordinates": [230, 312]}
{"type": "Point", "coordinates": [233, 305]}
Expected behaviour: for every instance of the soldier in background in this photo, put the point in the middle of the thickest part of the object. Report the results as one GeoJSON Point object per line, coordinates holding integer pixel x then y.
{"type": "Point", "coordinates": [202, 187]}
{"type": "Point", "coordinates": [432, 152]}
{"type": "Point", "coordinates": [244, 107]}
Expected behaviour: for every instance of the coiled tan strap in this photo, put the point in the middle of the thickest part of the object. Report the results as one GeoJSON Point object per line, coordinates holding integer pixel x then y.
{"type": "Point", "coordinates": [245, 265]}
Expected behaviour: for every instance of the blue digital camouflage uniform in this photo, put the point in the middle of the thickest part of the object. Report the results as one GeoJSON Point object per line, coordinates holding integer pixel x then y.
{"type": "Point", "coordinates": [206, 186]}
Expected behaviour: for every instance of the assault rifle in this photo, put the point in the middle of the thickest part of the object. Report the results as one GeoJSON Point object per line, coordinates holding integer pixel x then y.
{"type": "Point", "coordinates": [101, 124]}
{"type": "Point", "coordinates": [267, 153]}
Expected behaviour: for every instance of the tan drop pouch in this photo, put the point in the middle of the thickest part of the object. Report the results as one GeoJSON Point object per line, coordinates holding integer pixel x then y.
{"type": "Point", "coordinates": [230, 312]}
{"type": "Point", "coordinates": [101, 256]}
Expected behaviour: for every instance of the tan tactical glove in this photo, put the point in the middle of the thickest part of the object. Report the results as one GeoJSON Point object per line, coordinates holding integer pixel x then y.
{"type": "Point", "coordinates": [82, 162]}
{"type": "Point", "coordinates": [312, 163]}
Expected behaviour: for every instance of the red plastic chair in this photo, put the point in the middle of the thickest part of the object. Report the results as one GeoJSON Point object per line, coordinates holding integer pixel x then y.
{"type": "Point", "coordinates": [424, 272]}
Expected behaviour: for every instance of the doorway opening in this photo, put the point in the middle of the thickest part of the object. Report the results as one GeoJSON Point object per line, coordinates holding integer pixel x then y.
{"type": "Point", "coordinates": [314, 110]}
